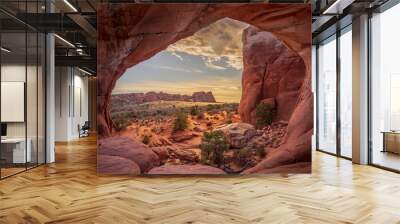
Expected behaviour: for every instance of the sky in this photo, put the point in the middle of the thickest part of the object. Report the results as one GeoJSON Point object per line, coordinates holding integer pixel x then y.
{"type": "Point", "coordinates": [209, 60]}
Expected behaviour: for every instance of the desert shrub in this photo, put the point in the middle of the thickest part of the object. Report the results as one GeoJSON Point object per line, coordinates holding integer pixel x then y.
{"type": "Point", "coordinates": [181, 121]}
{"type": "Point", "coordinates": [146, 139]}
{"type": "Point", "coordinates": [242, 156]}
{"type": "Point", "coordinates": [122, 120]}
{"type": "Point", "coordinates": [120, 124]}
{"type": "Point", "coordinates": [213, 145]}
{"type": "Point", "coordinates": [210, 107]}
{"type": "Point", "coordinates": [264, 114]}
{"type": "Point", "coordinates": [261, 152]}
{"type": "Point", "coordinates": [194, 110]}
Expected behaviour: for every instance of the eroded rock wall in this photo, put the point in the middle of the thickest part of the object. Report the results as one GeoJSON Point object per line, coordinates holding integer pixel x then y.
{"type": "Point", "coordinates": [271, 72]}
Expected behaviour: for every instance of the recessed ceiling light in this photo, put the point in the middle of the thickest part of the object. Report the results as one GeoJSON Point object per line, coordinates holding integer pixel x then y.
{"type": "Point", "coordinates": [64, 40]}
{"type": "Point", "coordinates": [84, 71]}
{"type": "Point", "coordinates": [338, 6]}
{"type": "Point", "coordinates": [70, 5]}
{"type": "Point", "coordinates": [5, 50]}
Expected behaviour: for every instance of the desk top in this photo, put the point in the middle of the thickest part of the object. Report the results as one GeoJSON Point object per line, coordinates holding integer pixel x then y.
{"type": "Point", "coordinates": [391, 132]}
{"type": "Point", "coordinates": [13, 140]}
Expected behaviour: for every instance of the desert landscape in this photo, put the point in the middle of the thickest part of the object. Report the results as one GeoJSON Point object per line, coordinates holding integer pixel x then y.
{"type": "Point", "coordinates": [195, 132]}
{"type": "Point", "coordinates": [259, 123]}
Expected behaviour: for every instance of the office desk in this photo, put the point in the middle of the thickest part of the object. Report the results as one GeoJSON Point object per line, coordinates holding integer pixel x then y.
{"type": "Point", "coordinates": [13, 150]}
{"type": "Point", "coordinates": [391, 141]}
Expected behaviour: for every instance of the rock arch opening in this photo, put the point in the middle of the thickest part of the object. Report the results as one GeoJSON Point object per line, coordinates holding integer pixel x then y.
{"type": "Point", "coordinates": [143, 31]}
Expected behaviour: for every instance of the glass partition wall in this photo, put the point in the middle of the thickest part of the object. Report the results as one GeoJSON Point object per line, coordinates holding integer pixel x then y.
{"type": "Point", "coordinates": [385, 89]}
{"type": "Point", "coordinates": [345, 92]}
{"type": "Point", "coordinates": [327, 95]}
{"type": "Point", "coordinates": [334, 93]}
{"type": "Point", "coordinates": [22, 77]}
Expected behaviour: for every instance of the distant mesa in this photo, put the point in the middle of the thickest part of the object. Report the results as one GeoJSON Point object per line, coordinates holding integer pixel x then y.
{"type": "Point", "coordinates": [203, 97]}
{"type": "Point", "coordinates": [152, 96]}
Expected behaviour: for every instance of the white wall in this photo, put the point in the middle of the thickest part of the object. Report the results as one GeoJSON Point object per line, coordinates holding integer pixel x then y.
{"type": "Point", "coordinates": [71, 103]}
{"type": "Point", "coordinates": [33, 127]}
{"type": "Point", "coordinates": [16, 73]}
{"type": "Point", "coordinates": [314, 90]}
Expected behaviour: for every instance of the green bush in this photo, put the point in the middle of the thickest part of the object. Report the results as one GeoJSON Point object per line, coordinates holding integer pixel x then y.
{"type": "Point", "coordinates": [261, 152]}
{"type": "Point", "coordinates": [181, 122]}
{"type": "Point", "coordinates": [213, 145]}
{"type": "Point", "coordinates": [264, 114]}
{"type": "Point", "coordinates": [121, 121]}
{"type": "Point", "coordinates": [242, 156]}
{"type": "Point", "coordinates": [146, 140]}
{"type": "Point", "coordinates": [210, 107]}
{"type": "Point", "coordinates": [194, 111]}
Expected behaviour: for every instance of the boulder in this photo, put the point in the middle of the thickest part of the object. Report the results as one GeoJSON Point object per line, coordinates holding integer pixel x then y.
{"type": "Point", "coordinates": [186, 170]}
{"type": "Point", "coordinates": [162, 153]}
{"type": "Point", "coordinates": [116, 165]}
{"type": "Point", "coordinates": [126, 148]}
{"type": "Point", "coordinates": [181, 136]}
{"type": "Point", "coordinates": [186, 155]}
{"type": "Point", "coordinates": [199, 129]}
{"type": "Point", "coordinates": [238, 134]}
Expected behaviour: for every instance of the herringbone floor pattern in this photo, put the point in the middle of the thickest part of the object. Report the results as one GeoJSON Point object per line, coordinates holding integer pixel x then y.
{"type": "Point", "coordinates": [69, 191]}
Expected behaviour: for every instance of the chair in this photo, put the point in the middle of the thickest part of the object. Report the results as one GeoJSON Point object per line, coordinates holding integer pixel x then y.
{"type": "Point", "coordinates": [84, 130]}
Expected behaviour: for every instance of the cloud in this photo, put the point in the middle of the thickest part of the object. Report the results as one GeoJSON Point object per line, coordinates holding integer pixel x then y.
{"type": "Point", "coordinates": [210, 64]}
{"type": "Point", "coordinates": [175, 69]}
{"type": "Point", "coordinates": [220, 42]}
{"type": "Point", "coordinates": [177, 55]}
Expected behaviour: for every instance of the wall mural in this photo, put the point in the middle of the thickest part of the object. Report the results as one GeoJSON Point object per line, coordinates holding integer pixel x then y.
{"type": "Point", "coordinates": [204, 89]}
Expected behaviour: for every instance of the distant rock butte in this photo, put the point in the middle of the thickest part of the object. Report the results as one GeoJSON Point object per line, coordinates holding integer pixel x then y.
{"type": "Point", "coordinates": [156, 96]}
{"type": "Point", "coordinates": [203, 97]}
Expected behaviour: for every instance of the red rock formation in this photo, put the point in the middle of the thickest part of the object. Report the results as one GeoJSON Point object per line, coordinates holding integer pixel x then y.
{"type": "Point", "coordinates": [181, 136]}
{"type": "Point", "coordinates": [131, 33]}
{"type": "Point", "coordinates": [203, 97]}
{"type": "Point", "coordinates": [302, 167]}
{"type": "Point", "coordinates": [271, 72]}
{"type": "Point", "coordinates": [126, 148]}
{"type": "Point", "coordinates": [116, 165]}
{"type": "Point", "coordinates": [151, 96]}
{"type": "Point", "coordinates": [238, 134]}
{"type": "Point", "coordinates": [186, 170]}
{"type": "Point", "coordinates": [162, 153]}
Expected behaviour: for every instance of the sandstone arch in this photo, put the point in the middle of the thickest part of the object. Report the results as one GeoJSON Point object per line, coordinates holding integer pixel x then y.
{"type": "Point", "coordinates": [131, 33]}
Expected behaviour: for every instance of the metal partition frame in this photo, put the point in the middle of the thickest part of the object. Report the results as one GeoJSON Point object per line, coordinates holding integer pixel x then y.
{"type": "Point", "coordinates": [29, 29]}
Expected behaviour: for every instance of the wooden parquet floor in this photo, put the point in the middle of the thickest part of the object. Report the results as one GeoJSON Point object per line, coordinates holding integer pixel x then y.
{"type": "Point", "coordinates": [70, 191]}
